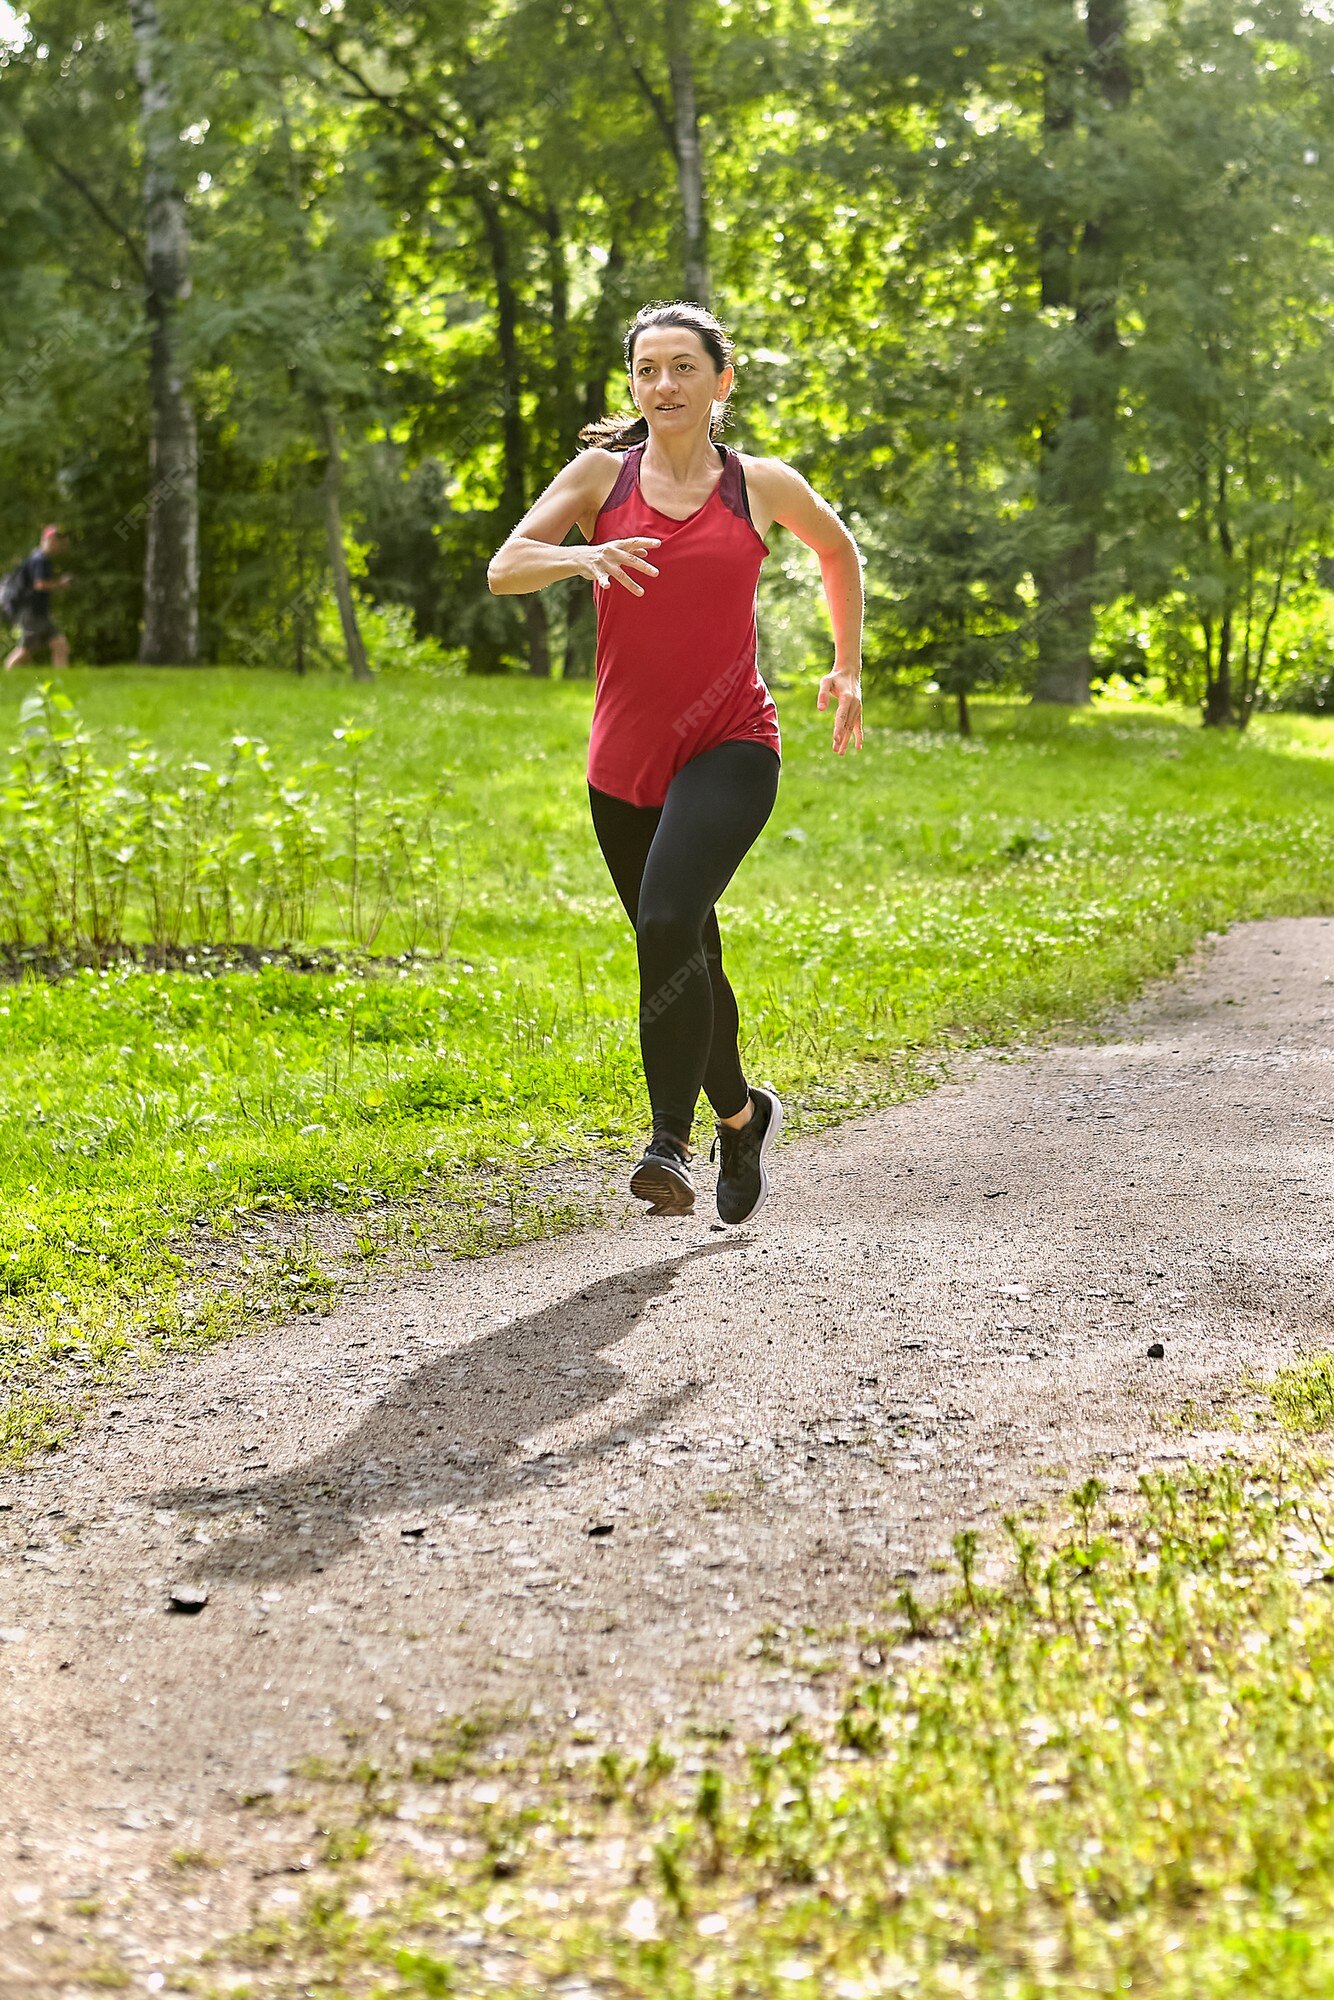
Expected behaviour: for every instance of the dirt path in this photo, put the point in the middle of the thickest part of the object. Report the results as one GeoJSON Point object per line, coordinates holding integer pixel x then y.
{"type": "Point", "coordinates": [945, 1312]}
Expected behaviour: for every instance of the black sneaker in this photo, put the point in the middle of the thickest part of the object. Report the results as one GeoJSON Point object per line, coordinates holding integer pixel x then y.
{"type": "Point", "coordinates": [743, 1184]}
{"type": "Point", "coordinates": [662, 1177]}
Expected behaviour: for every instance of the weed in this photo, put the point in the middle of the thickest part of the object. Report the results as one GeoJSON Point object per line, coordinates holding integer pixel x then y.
{"type": "Point", "coordinates": [1303, 1395]}
{"type": "Point", "coordinates": [422, 1972]}
{"type": "Point", "coordinates": [966, 1545]}
{"type": "Point", "coordinates": [98, 857]}
{"type": "Point", "coordinates": [1085, 1500]}
{"type": "Point", "coordinates": [919, 1626]}
{"type": "Point", "coordinates": [346, 1843]}
{"type": "Point", "coordinates": [709, 1812]}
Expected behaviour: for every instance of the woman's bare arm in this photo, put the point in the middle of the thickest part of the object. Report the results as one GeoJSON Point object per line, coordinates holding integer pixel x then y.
{"type": "Point", "coordinates": [779, 493]}
{"type": "Point", "coordinates": [532, 557]}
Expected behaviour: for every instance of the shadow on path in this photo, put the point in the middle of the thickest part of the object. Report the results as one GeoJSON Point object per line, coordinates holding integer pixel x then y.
{"type": "Point", "coordinates": [452, 1431]}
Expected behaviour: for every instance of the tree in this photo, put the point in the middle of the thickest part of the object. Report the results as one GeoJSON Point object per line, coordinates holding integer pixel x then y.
{"type": "Point", "coordinates": [1082, 243]}
{"type": "Point", "coordinates": [73, 417]}
{"type": "Point", "coordinates": [675, 110]}
{"type": "Point", "coordinates": [1229, 488]}
{"type": "Point", "coordinates": [171, 561]}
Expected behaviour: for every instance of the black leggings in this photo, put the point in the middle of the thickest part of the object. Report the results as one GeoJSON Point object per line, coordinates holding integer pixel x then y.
{"type": "Point", "coordinates": [670, 864]}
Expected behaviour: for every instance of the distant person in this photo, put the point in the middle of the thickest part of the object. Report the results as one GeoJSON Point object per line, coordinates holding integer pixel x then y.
{"type": "Point", "coordinates": [684, 758]}
{"type": "Point", "coordinates": [35, 607]}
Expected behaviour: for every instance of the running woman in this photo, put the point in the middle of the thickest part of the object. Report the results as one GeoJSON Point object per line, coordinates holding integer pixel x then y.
{"type": "Point", "coordinates": [684, 755]}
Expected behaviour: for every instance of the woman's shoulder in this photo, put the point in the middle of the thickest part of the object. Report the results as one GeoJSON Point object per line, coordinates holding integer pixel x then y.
{"type": "Point", "coordinates": [600, 456]}
{"type": "Point", "coordinates": [602, 467]}
{"type": "Point", "coordinates": [590, 476]}
{"type": "Point", "coordinates": [766, 471]}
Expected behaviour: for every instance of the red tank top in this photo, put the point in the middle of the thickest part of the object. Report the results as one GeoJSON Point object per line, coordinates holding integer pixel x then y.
{"type": "Point", "coordinates": [677, 669]}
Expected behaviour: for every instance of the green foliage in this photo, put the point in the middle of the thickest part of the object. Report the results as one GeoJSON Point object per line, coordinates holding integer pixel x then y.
{"type": "Point", "coordinates": [98, 858]}
{"type": "Point", "coordinates": [1048, 321]}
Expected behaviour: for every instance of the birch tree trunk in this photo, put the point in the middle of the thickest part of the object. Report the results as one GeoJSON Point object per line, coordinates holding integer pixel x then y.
{"type": "Point", "coordinates": [688, 150]}
{"type": "Point", "coordinates": [171, 559]}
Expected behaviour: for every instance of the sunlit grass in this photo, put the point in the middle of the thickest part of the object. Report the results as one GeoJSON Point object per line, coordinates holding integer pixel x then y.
{"type": "Point", "coordinates": [1303, 1395]}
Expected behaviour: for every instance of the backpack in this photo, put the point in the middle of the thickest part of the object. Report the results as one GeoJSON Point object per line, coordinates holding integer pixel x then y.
{"type": "Point", "coordinates": [16, 591]}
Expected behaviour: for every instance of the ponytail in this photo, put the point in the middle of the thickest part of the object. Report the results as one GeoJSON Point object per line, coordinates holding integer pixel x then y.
{"type": "Point", "coordinates": [620, 433]}
{"type": "Point", "coordinates": [614, 433]}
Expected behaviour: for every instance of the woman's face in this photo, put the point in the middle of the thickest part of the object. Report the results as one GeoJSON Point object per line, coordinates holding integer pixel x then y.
{"type": "Point", "coordinates": [673, 380]}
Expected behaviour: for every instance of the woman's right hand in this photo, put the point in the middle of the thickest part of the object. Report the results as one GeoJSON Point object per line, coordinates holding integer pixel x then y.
{"type": "Point", "coordinates": [612, 562]}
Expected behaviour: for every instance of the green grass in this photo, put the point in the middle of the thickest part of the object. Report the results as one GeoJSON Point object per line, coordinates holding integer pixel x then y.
{"type": "Point", "coordinates": [1303, 1395]}
{"type": "Point", "coordinates": [1112, 1772]}
{"type": "Point", "coordinates": [929, 894]}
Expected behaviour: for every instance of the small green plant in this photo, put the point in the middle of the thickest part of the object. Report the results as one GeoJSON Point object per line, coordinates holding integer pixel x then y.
{"type": "Point", "coordinates": [669, 1863]}
{"type": "Point", "coordinates": [1303, 1395]}
{"type": "Point", "coordinates": [1025, 1548]}
{"type": "Point", "coordinates": [657, 1765]}
{"type": "Point", "coordinates": [98, 858]}
{"type": "Point", "coordinates": [614, 1771]}
{"type": "Point", "coordinates": [422, 1972]}
{"type": "Point", "coordinates": [1085, 1500]}
{"type": "Point", "coordinates": [919, 1626]}
{"type": "Point", "coordinates": [346, 1843]}
{"type": "Point", "coordinates": [966, 1545]}
{"type": "Point", "coordinates": [709, 1801]}
{"type": "Point", "coordinates": [859, 1725]}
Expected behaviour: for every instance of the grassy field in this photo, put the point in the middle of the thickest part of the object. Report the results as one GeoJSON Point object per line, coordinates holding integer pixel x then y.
{"type": "Point", "coordinates": [155, 1123]}
{"type": "Point", "coordinates": [1104, 1772]}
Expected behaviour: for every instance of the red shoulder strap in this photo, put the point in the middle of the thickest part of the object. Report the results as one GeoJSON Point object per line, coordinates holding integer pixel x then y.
{"type": "Point", "coordinates": [732, 485]}
{"type": "Point", "coordinates": [626, 479]}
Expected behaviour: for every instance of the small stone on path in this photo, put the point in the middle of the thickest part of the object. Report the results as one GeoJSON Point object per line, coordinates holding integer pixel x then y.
{"type": "Point", "coordinates": [188, 1598]}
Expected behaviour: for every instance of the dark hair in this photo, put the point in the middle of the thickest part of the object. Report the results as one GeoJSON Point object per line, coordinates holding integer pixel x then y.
{"type": "Point", "coordinates": [619, 433]}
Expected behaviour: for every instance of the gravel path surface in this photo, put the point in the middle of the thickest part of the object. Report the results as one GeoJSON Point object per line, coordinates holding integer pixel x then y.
{"type": "Point", "coordinates": [583, 1475]}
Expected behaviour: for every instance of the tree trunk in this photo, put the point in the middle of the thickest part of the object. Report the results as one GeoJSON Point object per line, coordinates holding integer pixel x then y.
{"type": "Point", "coordinates": [171, 560]}
{"type": "Point", "coordinates": [965, 719]}
{"type": "Point", "coordinates": [333, 528]}
{"type": "Point", "coordinates": [688, 150]}
{"type": "Point", "coordinates": [1075, 465]}
{"type": "Point", "coordinates": [1219, 708]}
{"type": "Point", "coordinates": [1218, 689]}
{"type": "Point", "coordinates": [1065, 596]}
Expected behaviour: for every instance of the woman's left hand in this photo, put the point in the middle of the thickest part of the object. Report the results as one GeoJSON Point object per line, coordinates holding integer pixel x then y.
{"type": "Point", "coordinates": [844, 685]}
